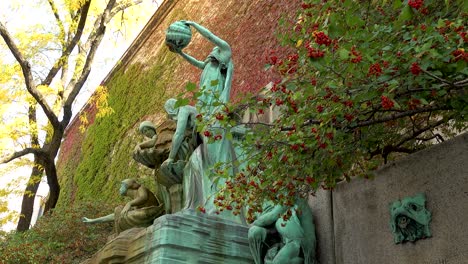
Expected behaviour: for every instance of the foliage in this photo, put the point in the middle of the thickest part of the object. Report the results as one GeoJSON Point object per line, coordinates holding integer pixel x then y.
{"type": "Point", "coordinates": [62, 238]}
{"type": "Point", "coordinates": [364, 82]}
{"type": "Point", "coordinates": [100, 160]}
{"type": "Point", "coordinates": [44, 71]}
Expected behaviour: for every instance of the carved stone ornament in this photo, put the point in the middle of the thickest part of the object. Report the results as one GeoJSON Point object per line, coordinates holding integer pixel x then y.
{"type": "Point", "coordinates": [410, 219]}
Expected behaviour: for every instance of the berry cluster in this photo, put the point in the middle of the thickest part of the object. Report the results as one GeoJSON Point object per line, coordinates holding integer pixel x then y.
{"type": "Point", "coordinates": [321, 38]}
{"type": "Point", "coordinates": [416, 4]}
{"type": "Point", "coordinates": [386, 102]}
{"type": "Point", "coordinates": [415, 69]}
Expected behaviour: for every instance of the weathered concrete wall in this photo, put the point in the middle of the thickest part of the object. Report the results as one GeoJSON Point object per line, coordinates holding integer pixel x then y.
{"type": "Point", "coordinates": [361, 215]}
{"type": "Point", "coordinates": [323, 219]}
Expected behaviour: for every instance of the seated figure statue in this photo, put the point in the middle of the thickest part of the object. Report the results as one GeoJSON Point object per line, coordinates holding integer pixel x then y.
{"type": "Point", "coordinates": [155, 150]}
{"type": "Point", "coordinates": [296, 241]}
{"type": "Point", "coordinates": [184, 142]}
{"type": "Point", "coordinates": [139, 212]}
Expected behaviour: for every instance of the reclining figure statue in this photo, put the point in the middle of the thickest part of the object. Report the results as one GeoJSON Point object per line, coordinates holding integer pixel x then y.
{"type": "Point", "coordinates": [139, 212]}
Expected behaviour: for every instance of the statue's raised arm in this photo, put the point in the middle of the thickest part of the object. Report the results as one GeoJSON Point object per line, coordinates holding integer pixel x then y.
{"type": "Point", "coordinates": [216, 78]}
{"type": "Point", "coordinates": [223, 46]}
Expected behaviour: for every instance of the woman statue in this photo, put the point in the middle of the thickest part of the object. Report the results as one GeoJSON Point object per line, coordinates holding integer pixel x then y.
{"type": "Point", "coordinates": [199, 181]}
{"type": "Point", "coordinates": [216, 78]}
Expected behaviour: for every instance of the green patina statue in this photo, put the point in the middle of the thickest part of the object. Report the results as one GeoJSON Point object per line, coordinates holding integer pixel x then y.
{"type": "Point", "coordinates": [218, 68]}
{"type": "Point", "coordinates": [184, 142]}
{"type": "Point", "coordinates": [215, 86]}
{"type": "Point", "coordinates": [139, 212]}
{"type": "Point", "coordinates": [410, 219]}
{"type": "Point", "coordinates": [155, 150]}
{"type": "Point", "coordinates": [286, 241]}
{"type": "Point", "coordinates": [144, 152]}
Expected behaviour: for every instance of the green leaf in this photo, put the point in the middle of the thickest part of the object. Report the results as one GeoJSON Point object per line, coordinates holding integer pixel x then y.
{"type": "Point", "coordinates": [397, 4]}
{"type": "Point", "coordinates": [405, 15]}
{"type": "Point", "coordinates": [228, 135]}
{"type": "Point", "coordinates": [348, 3]}
{"type": "Point", "coordinates": [344, 54]}
{"type": "Point", "coordinates": [353, 20]}
{"type": "Point", "coordinates": [440, 23]}
{"type": "Point", "coordinates": [190, 87]}
{"type": "Point", "coordinates": [462, 66]}
{"type": "Point", "coordinates": [387, 48]}
{"type": "Point", "coordinates": [214, 82]}
{"type": "Point", "coordinates": [181, 102]}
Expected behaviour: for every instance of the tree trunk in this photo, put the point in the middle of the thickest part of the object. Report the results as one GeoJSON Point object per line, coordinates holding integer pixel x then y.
{"type": "Point", "coordinates": [27, 205]}
{"type": "Point", "coordinates": [54, 186]}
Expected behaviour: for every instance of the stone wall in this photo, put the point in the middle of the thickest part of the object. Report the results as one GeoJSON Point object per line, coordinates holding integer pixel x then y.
{"type": "Point", "coordinates": [358, 228]}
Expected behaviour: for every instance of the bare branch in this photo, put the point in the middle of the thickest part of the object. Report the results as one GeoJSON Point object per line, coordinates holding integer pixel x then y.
{"type": "Point", "coordinates": [122, 6]}
{"type": "Point", "coordinates": [437, 77]}
{"type": "Point", "coordinates": [71, 45]}
{"type": "Point", "coordinates": [77, 82]}
{"type": "Point", "coordinates": [28, 78]}
{"type": "Point", "coordinates": [418, 132]}
{"type": "Point", "coordinates": [462, 83]}
{"type": "Point", "coordinates": [400, 115]}
{"type": "Point", "coordinates": [20, 154]}
{"type": "Point", "coordinates": [57, 18]}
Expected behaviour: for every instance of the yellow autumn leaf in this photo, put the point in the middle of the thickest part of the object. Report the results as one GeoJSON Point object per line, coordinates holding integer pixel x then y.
{"type": "Point", "coordinates": [299, 43]}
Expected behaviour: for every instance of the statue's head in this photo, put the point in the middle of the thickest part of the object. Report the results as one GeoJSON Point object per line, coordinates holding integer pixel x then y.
{"type": "Point", "coordinates": [147, 128]}
{"type": "Point", "coordinates": [171, 111]}
{"type": "Point", "coordinates": [128, 184]}
{"type": "Point", "coordinates": [410, 219]}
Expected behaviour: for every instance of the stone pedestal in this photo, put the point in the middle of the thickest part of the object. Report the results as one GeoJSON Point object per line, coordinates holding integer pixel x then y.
{"type": "Point", "coordinates": [183, 237]}
{"type": "Point", "coordinates": [190, 237]}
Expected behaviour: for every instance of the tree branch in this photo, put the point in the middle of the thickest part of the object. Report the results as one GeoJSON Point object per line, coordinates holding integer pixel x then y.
{"type": "Point", "coordinates": [437, 78]}
{"type": "Point", "coordinates": [20, 154]}
{"type": "Point", "coordinates": [421, 130]}
{"type": "Point", "coordinates": [400, 115]}
{"type": "Point", "coordinates": [71, 45]}
{"type": "Point", "coordinates": [75, 85]}
{"type": "Point", "coordinates": [28, 78]}
{"type": "Point", "coordinates": [121, 7]}
{"type": "Point", "coordinates": [59, 21]}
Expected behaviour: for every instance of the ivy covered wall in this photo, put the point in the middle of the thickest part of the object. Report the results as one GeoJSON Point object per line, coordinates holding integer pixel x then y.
{"type": "Point", "coordinates": [92, 164]}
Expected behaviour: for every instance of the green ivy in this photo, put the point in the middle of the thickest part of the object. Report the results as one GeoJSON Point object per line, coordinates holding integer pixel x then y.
{"type": "Point", "coordinates": [105, 153]}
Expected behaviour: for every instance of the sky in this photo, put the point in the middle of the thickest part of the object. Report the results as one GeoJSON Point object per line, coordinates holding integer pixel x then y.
{"type": "Point", "coordinates": [18, 16]}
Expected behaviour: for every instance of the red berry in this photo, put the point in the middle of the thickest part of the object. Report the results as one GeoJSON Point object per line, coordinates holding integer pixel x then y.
{"type": "Point", "coordinates": [416, 4]}
{"type": "Point", "coordinates": [415, 69]}
{"type": "Point", "coordinates": [386, 102]}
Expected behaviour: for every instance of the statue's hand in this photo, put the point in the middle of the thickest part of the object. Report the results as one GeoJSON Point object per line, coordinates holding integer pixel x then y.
{"type": "Point", "coordinates": [186, 22]}
{"type": "Point", "coordinates": [85, 220]}
{"type": "Point", "coordinates": [137, 148]}
{"type": "Point", "coordinates": [174, 49]}
{"type": "Point", "coordinates": [167, 162]}
{"type": "Point", "coordinates": [125, 209]}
